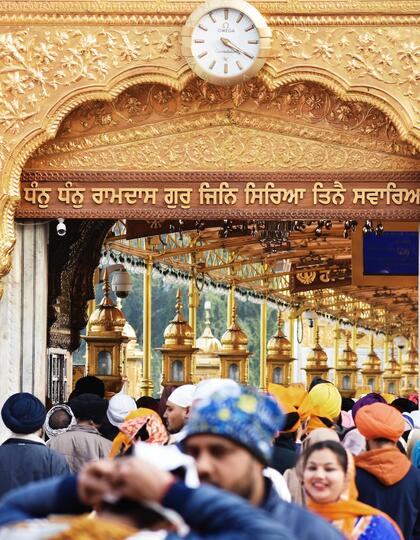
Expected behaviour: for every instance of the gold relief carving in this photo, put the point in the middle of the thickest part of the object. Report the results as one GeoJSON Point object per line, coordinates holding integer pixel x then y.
{"type": "Point", "coordinates": [37, 64]}
{"type": "Point", "coordinates": [36, 78]}
{"type": "Point", "coordinates": [387, 55]}
{"type": "Point", "coordinates": [222, 147]}
{"type": "Point", "coordinates": [150, 12]}
{"type": "Point", "coordinates": [299, 105]}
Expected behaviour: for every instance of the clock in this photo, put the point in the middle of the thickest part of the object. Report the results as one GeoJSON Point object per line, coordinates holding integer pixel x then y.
{"type": "Point", "coordinates": [226, 41]}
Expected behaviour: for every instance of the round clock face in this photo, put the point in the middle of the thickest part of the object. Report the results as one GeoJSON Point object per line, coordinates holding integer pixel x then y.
{"type": "Point", "coordinates": [225, 43]}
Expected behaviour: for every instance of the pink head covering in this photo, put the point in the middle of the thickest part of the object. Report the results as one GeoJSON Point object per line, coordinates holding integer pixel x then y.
{"type": "Point", "coordinates": [347, 419]}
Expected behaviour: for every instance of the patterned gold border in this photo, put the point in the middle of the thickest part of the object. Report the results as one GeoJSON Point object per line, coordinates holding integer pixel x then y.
{"type": "Point", "coordinates": [54, 99]}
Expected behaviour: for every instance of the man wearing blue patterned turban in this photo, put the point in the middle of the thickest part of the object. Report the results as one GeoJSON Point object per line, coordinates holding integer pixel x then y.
{"type": "Point", "coordinates": [230, 437]}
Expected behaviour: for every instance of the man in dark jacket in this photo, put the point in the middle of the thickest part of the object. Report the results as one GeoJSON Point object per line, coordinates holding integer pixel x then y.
{"type": "Point", "coordinates": [24, 456]}
{"type": "Point", "coordinates": [285, 452]}
{"type": "Point", "coordinates": [210, 513]}
{"type": "Point", "coordinates": [230, 438]}
{"type": "Point", "coordinates": [83, 442]}
{"type": "Point", "coordinates": [385, 477]}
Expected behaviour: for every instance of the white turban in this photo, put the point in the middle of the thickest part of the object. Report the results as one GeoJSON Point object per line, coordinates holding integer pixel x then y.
{"type": "Point", "coordinates": [119, 406]}
{"type": "Point", "coordinates": [182, 396]}
{"type": "Point", "coordinates": [208, 387]}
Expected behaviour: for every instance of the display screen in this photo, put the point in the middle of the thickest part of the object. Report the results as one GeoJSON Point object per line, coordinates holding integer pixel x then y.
{"type": "Point", "coordinates": [394, 253]}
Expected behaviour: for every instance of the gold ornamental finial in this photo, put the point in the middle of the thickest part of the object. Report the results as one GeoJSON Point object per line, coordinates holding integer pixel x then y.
{"type": "Point", "coordinates": [178, 305]}
{"type": "Point", "coordinates": [371, 342]}
{"type": "Point", "coordinates": [106, 287]}
{"type": "Point", "coordinates": [279, 320]}
{"type": "Point", "coordinates": [234, 315]}
{"type": "Point", "coordinates": [317, 336]}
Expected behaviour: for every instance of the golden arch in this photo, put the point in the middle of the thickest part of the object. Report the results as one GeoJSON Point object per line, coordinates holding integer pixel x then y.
{"type": "Point", "coordinates": [48, 126]}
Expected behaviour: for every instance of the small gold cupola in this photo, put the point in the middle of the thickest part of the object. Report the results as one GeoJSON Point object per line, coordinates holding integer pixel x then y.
{"type": "Point", "coordinates": [206, 359]}
{"type": "Point", "coordinates": [317, 362]}
{"type": "Point", "coordinates": [279, 356]}
{"type": "Point", "coordinates": [410, 370]}
{"type": "Point", "coordinates": [106, 342]}
{"type": "Point", "coordinates": [234, 354]}
{"type": "Point", "coordinates": [392, 375]}
{"type": "Point", "coordinates": [346, 371]}
{"type": "Point", "coordinates": [372, 370]}
{"type": "Point", "coordinates": [178, 349]}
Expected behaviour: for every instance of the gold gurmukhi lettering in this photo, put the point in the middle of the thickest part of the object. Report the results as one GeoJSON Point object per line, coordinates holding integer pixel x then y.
{"type": "Point", "coordinates": [128, 195]}
{"type": "Point", "coordinates": [99, 194]}
{"type": "Point", "coordinates": [72, 195]}
{"type": "Point", "coordinates": [224, 194]}
{"type": "Point", "coordinates": [334, 195]}
{"type": "Point", "coordinates": [271, 194]}
{"type": "Point", "coordinates": [39, 196]}
{"type": "Point", "coordinates": [175, 196]}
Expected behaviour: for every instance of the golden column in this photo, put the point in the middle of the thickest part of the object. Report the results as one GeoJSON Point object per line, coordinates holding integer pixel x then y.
{"type": "Point", "coordinates": [371, 370]}
{"type": "Point", "coordinates": [317, 362]}
{"type": "Point", "coordinates": [337, 336]}
{"type": "Point", "coordinates": [410, 371]}
{"type": "Point", "coordinates": [230, 304]}
{"type": "Point", "coordinates": [192, 305]}
{"type": "Point", "coordinates": [193, 299]}
{"type": "Point", "coordinates": [147, 384]}
{"type": "Point", "coordinates": [392, 375]}
{"type": "Point", "coordinates": [346, 371]}
{"type": "Point", "coordinates": [263, 344]}
{"type": "Point", "coordinates": [279, 356]}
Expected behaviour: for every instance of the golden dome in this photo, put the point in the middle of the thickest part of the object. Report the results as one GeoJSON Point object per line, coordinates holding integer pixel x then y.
{"type": "Point", "coordinates": [410, 364]}
{"type": "Point", "coordinates": [319, 358]}
{"type": "Point", "coordinates": [178, 331]}
{"type": "Point", "coordinates": [372, 364]}
{"type": "Point", "coordinates": [207, 343]}
{"type": "Point", "coordinates": [129, 331]}
{"type": "Point", "coordinates": [348, 360]}
{"type": "Point", "coordinates": [106, 317]}
{"type": "Point", "coordinates": [279, 345]}
{"type": "Point", "coordinates": [234, 339]}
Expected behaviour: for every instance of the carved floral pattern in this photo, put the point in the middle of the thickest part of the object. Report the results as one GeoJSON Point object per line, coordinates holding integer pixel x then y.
{"type": "Point", "coordinates": [387, 55]}
{"type": "Point", "coordinates": [36, 64]}
{"type": "Point", "coordinates": [308, 105]}
{"type": "Point", "coordinates": [239, 147]}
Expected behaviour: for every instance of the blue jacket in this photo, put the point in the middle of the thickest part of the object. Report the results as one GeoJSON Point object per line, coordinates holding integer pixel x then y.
{"type": "Point", "coordinates": [304, 524]}
{"type": "Point", "coordinates": [22, 461]}
{"type": "Point", "coordinates": [212, 514]}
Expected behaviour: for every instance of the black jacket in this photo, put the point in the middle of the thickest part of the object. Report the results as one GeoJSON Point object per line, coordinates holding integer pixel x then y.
{"type": "Point", "coordinates": [284, 454]}
{"type": "Point", "coordinates": [22, 461]}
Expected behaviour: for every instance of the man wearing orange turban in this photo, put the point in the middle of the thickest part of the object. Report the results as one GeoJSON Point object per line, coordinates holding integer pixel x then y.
{"type": "Point", "coordinates": [385, 477]}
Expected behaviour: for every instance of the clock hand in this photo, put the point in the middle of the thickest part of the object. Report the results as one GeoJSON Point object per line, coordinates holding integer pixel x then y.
{"type": "Point", "coordinates": [229, 44]}
{"type": "Point", "coordinates": [235, 48]}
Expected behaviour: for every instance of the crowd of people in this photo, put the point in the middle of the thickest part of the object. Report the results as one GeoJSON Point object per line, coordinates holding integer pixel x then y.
{"type": "Point", "coordinates": [215, 461]}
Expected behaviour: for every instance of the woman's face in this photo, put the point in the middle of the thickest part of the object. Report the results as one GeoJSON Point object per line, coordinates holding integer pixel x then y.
{"type": "Point", "coordinates": [323, 478]}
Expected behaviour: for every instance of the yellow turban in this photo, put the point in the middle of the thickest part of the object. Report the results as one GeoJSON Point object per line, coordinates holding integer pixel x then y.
{"type": "Point", "coordinates": [289, 398]}
{"type": "Point", "coordinates": [324, 400]}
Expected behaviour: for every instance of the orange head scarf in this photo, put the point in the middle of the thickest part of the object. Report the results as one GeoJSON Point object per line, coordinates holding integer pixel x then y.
{"type": "Point", "coordinates": [347, 509]}
{"type": "Point", "coordinates": [134, 421]}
